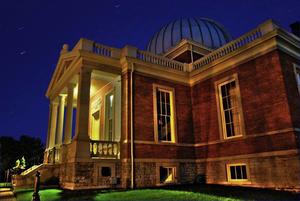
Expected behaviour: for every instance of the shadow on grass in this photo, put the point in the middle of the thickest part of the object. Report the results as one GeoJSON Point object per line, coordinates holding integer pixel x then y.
{"type": "Point", "coordinates": [236, 192]}
{"type": "Point", "coordinates": [208, 192]}
{"type": "Point", "coordinates": [56, 194]}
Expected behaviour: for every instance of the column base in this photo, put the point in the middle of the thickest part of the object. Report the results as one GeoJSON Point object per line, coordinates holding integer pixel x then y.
{"type": "Point", "coordinates": [78, 151]}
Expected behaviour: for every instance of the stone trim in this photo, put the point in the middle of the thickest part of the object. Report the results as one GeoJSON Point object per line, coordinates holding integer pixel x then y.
{"type": "Point", "coordinates": [255, 155]}
{"type": "Point", "coordinates": [216, 141]}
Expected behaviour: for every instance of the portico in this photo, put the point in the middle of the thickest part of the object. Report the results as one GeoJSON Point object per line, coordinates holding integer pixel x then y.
{"type": "Point", "coordinates": [94, 96]}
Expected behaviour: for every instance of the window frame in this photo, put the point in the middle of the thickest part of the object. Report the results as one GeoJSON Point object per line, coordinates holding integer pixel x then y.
{"type": "Point", "coordinates": [112, 167]}
{"type": "Point", "coordinates": [229, 179]}
{"type": "Point", "coordinates": [167, 165]}
{"type": "Point", "coordinates": [110, 171]}
{"type": "Point", "coordinates": [297, 76]}
{"type": "Point", "coordinates": [106, 122]}
{"type": "Point", "coordinates": [221, 116]}
{"type": "Point", "coordinates": [173, 120]}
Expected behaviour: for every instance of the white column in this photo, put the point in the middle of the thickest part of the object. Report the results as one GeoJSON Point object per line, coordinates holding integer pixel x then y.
{"type": "Point", "coordinates": [69, 115]}
{"type": "Point", "coordinates": [83, 105]}
{"type": "Point", "coordinates": [49, 126]}
{"type": "Point", "coordinates": [59, 132]}
{"type": "Point", "coordinates": [53, 122]}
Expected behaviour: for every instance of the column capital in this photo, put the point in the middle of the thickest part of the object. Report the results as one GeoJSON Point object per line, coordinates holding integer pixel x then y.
{"type": "Point", "coordinates": [62, 96]}
{"type": "Point", "coordinates": [54, 102]}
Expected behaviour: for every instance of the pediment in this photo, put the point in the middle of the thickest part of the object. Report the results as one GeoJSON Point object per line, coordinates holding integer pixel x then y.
{"type": "Point", "coordinates": [63, 64]}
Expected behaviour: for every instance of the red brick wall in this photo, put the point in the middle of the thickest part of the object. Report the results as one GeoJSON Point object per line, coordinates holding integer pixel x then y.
{"type": "Point", "coordinates": [276, 142]}
{"type": "Point", "coordinates": [264, 103]}
{"type": "Point", "coordinates": [143, 119]}
{"type": "Point", "coordinates": [291, 86]}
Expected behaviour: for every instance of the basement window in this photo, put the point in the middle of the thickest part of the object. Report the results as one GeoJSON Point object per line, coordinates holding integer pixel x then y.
{"type": "Point", "coordinates": [237, 172]}
{"type": "Point", "coordinates": [167, 174]}
{"type": "Point", "coordinates": [105, 171]}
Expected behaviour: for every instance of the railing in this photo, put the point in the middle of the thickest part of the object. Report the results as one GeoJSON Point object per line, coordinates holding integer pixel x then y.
{"type": "Point", "coordinates": [53, 155]}
{"type": "Point", "coordinates": [159, 60]}
{"type": "Point", "coordinates": [230, 47]}
{"type": "Point", "coordinates": [105, 149]}
{"type": "Point", "coordinates": [31, 169]}
{"type": "Point", "coordinates": [102, 50]}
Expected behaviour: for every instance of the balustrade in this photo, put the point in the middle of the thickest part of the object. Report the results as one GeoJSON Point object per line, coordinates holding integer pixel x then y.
{"type": "Point", "coordinates": [105, 149]}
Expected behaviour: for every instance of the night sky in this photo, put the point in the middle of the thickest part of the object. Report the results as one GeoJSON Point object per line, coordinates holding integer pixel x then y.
{"type": "Point", "coordinates": [33, 32]}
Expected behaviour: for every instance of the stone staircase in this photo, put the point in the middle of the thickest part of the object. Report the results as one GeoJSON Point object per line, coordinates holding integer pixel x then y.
{"type": "Point", "coordinates": [26, 178]}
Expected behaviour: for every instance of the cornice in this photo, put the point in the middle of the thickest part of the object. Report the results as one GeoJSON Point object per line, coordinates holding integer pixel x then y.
{"type": "Point", "coordinates": [277, 39]}
{"type": "Point", "coordinates": [155, 71]}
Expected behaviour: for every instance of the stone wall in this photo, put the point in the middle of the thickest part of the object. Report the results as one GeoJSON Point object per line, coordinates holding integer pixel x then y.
{"type": "Point", "coordinates": [85, 175]}
{"type": "Point", "coordinates": [264, 172]}
{"type": "Point", "coordinates": [145, 174]}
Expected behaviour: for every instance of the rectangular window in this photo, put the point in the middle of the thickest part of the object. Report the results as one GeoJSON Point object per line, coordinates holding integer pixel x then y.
{"type": "Point", "coordinates": [297, 73]}
{"type": "Point", "coordinates": [237, 172]}
{"type": "Point", "coordinates": [109, 116]}
{"type": "Point", "coordinates": [164, 114]}
{"type": "Point", "coordinates": [230, 108]}
{"type": "Point", "coordinates": [105, 171]}
{"type": "Point", "coordinates": [167, 174]}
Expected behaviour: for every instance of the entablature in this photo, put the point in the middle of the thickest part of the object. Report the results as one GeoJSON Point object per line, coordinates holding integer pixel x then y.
{"type": "Point", "coordinates": [265, 38]}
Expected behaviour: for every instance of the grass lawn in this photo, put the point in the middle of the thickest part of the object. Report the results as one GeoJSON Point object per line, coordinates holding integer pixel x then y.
{"type": "Point", "coordinates": [5, 184]}
{"type": "Point", "coordinates": [191, 193]}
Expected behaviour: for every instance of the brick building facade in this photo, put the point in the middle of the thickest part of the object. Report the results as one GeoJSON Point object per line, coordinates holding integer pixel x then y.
{"type": "Point", "coordinates": [199, 106]}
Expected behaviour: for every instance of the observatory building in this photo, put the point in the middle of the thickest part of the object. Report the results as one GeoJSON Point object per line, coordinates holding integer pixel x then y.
{"type": "Point", "coordinates": [195, 106]}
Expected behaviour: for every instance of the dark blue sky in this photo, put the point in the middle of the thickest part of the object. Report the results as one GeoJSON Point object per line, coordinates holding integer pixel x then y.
{"type": "Point", "coordinates": [33, 32]}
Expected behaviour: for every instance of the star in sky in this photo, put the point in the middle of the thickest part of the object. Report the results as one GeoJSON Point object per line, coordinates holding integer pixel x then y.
{"type": "Point", "coordinates": [23, 52]}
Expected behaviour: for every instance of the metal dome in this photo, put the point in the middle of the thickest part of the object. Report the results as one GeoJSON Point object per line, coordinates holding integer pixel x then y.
{"type": "Point", "coordinates": [205, 31]}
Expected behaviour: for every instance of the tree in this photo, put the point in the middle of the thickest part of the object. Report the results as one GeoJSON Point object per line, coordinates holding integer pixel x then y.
{"type": "Point", "coordinates": [12, 150]}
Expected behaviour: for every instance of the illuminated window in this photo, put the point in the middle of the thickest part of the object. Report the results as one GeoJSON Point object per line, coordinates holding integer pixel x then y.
{"type": "Point", "coordinates": [109, 116]}
{"type": "Point", "coordinates": [297, 73]}
{"type": "Point", "coordinates": [237, 172]}
{"type": "Point", "coordinates": [167, 174]}
{"type": "Point", "coordinates": [164, 122]}
{"type": "Point", "coordinates": [230, 108]}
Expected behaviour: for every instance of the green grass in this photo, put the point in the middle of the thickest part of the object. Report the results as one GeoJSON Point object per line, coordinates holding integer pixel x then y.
{"type": "Point", "coordinates": [191, 193]}
{"type": "Point", "coordinates": [145, 194]}
{"type": "Point", "coordinates": [157, 194]}
{"type": "Point", "coordinates": [45, 195]}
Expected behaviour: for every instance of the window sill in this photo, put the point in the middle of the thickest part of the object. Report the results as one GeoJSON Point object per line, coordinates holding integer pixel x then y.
{"type": "Point", "coordinates": [167, 183]}
{"type": "Point", "coordinates": [166, 142]}
{"type": "Point", "coordinates": [233, 137]}
{"type": "Point", "coordinates": [240, 182]}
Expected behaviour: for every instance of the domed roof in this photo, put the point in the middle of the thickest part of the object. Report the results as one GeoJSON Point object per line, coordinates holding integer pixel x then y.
{"type": "Point", "coordinates": [205, 31]}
